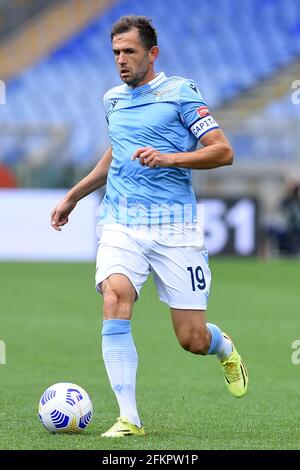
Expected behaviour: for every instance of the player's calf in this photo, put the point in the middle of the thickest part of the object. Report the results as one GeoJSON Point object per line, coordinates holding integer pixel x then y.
{"type": "Point", "coordinates": [194, 341]}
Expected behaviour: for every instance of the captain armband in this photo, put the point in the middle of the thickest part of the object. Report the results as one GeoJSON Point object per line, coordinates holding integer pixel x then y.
{"type": "Point", "coordinates": [203, 125]}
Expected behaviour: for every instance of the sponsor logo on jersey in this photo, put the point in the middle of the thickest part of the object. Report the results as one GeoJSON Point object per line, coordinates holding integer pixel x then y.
{"type": "Point", "coordinates": [202, 111]}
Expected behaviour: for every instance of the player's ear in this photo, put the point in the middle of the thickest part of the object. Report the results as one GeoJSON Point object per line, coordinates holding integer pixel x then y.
{"type": "Point", "coordinates": [153, 53]}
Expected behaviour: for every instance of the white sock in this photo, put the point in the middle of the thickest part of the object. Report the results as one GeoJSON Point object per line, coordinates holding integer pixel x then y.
{"type": "Point", "coordinates": [219, 345]}
{"type": "Point", "coordinates": [225, 349]}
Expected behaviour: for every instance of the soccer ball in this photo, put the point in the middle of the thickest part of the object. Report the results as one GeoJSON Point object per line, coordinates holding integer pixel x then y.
{"type": "Point", "coordinates": [65, 407]}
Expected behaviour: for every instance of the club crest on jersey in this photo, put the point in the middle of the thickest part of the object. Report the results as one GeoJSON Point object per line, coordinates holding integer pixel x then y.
{"type": "Point", "coordinates": [160, 93]}
{"type": "Point", "coordinates": [202, 111]}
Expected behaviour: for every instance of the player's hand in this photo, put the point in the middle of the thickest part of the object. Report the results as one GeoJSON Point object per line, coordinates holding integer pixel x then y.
{"type": "Point", "coordinates": [60, 214]}
{"type": "Point", "coordinates": [152, 158]}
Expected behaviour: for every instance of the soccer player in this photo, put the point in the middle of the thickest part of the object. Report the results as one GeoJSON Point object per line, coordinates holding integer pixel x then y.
{"type": "Point", "coordinates": [149, 213]}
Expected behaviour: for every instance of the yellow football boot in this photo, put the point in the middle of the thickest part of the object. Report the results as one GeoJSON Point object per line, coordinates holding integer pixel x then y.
{"type": "Point", "coordinates": [235, 373]}
{"type": "Point", "coordinates": [123, 428]}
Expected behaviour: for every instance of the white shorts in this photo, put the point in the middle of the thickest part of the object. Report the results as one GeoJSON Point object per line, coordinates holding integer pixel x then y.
{"type": "Point", "coordinates": [181, 273]}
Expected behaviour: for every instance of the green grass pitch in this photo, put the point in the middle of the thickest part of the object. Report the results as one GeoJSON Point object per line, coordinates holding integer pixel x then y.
{"type": "Point", "coordinates": [51, 321]}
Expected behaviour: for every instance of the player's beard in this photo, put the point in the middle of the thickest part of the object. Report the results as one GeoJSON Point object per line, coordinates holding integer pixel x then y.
{"type": "Point", "coordinates": [134, 79]}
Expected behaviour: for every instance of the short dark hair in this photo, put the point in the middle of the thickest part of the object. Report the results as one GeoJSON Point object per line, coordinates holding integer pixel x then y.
{"type": "Point", "coordinates": [143, 24]}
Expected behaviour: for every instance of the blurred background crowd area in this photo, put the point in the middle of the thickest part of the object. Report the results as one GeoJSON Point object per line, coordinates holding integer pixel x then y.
{"type": "Point", "coordinates": [56, 64]}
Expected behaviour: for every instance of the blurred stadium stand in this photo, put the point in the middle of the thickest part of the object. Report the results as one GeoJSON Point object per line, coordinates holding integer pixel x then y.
{"type": "Point", "coordinates": [45, 32]}
{"type": "Point", "coordinates": [13, 13]}
{"type": "Point", "coordinates": [244, 54]}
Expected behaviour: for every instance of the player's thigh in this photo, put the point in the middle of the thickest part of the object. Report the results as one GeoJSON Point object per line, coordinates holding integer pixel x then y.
{"type": "Point", "coordinates": [119, 254]}
{"type": "Point", "coordinates": [182, 276]}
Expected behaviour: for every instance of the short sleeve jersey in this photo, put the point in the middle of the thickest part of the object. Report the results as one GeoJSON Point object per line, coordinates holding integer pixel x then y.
{"type": "Point", "coordinates": [170, 115]}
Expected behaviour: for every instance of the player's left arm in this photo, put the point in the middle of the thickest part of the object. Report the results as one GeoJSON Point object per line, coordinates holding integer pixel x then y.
{"type": "Point", "coordinates": [216, 152]}
{"type": "Point", "coordinates": [193, 115]}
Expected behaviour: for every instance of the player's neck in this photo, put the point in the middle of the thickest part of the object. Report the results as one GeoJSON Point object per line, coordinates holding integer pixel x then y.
{"type": "Point", "coordinates": [150, 75]}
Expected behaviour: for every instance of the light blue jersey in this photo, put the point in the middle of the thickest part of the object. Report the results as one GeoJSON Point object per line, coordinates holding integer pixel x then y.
{"type": "Point", "coordinates": [168, 114]}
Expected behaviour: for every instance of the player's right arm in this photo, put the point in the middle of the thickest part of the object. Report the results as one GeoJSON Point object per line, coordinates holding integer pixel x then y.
{"type": "Point", "coordinates": [94, 180]}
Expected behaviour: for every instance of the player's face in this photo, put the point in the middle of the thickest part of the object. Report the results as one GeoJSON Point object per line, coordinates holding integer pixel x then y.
{"type": "Point", "coordinates": [134, 62]}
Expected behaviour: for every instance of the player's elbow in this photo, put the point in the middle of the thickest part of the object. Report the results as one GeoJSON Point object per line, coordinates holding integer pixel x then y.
{"type": "Point", "coordinates": [227, 155]}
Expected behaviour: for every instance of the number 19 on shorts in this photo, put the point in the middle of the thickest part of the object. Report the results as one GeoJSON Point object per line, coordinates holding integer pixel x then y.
{"type": "Point", "coordinates": [197, 278]}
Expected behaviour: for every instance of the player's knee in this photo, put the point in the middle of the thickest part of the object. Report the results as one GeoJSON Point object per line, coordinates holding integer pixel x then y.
{"type": "Point", "coordinates": [110, 301]}
{"type": "Point", "coordinates": [114, 306]}
{"type": "Point", "coordinates": [195, 342]}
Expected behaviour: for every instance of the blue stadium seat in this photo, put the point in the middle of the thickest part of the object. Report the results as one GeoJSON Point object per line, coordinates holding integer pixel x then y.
{"type": "Point", "coordinates": [225, 46]}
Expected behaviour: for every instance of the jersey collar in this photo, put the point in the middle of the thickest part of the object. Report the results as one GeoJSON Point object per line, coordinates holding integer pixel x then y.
{"type": "Point", "coordinates": [159, 77]}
